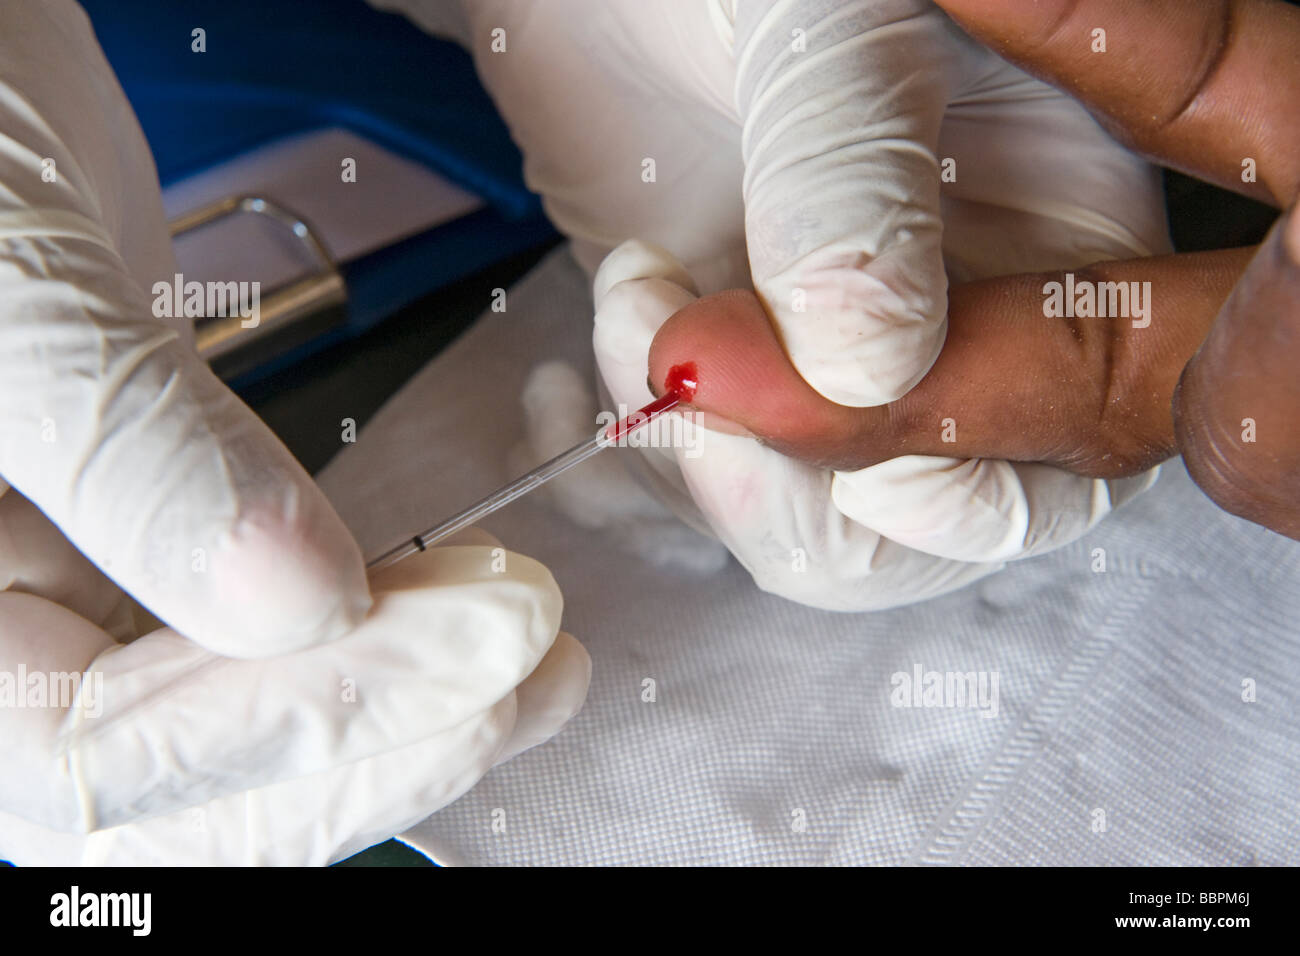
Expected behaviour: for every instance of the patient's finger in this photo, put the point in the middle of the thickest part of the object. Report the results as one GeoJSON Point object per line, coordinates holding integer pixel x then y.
{"type": "Point", "coordinates": [1202, 85]}
{"type": "Point", "coordinates": [1090, 394]}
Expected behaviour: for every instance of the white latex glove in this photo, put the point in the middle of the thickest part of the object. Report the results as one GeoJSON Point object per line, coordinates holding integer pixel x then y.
{"type": "Point", "coordinates": [797, 148]}
{"type": "Point", "coordinates": [157, 473]}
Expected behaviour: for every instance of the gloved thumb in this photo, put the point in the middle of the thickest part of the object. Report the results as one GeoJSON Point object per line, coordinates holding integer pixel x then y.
{"type": "Point", "coordinates": [842, 184]}
{"type": "Point", "coordinates": [115, 429]}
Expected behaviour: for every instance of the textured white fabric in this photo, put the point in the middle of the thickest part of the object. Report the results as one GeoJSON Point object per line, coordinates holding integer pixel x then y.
{"type": "Point", "coordinates": [1119, 692]}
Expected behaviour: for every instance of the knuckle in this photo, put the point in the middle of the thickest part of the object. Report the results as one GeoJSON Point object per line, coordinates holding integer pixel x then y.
{"type": "Point", "coordinates": [1232, 475]}
{"type": "Point", "coordinates": [1225, 477]}
{"type": "Point", "coordinates": [1110, 436]}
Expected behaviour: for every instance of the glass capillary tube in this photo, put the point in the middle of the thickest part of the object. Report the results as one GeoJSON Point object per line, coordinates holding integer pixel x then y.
{"type": "Point", "coordinates": [605, 438]}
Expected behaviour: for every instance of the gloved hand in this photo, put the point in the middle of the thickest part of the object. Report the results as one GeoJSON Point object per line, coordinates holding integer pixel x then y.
{"type": "Point", "coordinates": [839, 157]}
{"type": "Point", "coordinates": [172, 754]}
{"type": "Point", "coordinates": [343, 722]}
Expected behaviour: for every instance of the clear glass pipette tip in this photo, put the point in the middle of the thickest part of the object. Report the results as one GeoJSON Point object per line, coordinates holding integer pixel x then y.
{"type": "Point", "coordinates": [605, 438]}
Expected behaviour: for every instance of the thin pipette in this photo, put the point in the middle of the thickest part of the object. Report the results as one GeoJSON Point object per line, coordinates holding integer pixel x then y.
{"type": "Point", "coordinates": [681, 388]}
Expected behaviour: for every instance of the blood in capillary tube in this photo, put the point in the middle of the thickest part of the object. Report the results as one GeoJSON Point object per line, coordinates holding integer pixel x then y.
{"type": "Point", "coordinates": [680, 386]}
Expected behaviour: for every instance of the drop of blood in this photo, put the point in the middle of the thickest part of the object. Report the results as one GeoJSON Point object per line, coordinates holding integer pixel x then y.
{"type": "Point", "coordinates": [679, 388]}
{"type": "Point", "coordinates": [682, 381]}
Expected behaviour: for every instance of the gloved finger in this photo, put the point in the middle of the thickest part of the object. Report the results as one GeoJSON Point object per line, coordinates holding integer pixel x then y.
{"type": "Point", "coordinates": [452, 632]}
{"type": "Point", "coordinates": [550, 696]}
{"type": "Point", "coordinates": [1237, 408]}
{"type": "Point", "coordinates": [36, 558]}
{"type": "Point", "coordinates": [1217, 89]}
{"type": "Point", "coordinates": [636, 288]}
{"type": "Point", "coordinates": [1031, 183]}
{"type": "Point", "coordinates": [841, 184]}
{"type": "Point", "coordinates": [109, 422]}
{"type": "Point", "coordinates": [661, 288]}
{"type": "Point", "coordinates": [979, 509]}
{"type": "Point", "coordinates": [45, 653]}
{"type": "Point", "coordinates": [778, 517]}
{"type": "Point", "coordinates": [1030, 371]}
{"type": "Point", "coordinates": [329, 816]}
{"type": "Point", "coordinates": [156, 471]}
{"type": "Point", "coordinates": [310, 820]}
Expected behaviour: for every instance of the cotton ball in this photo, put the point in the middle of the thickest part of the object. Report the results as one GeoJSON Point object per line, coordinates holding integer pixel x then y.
{"type": "Point", "coordinates": [559, 412]}
{"type": "Point", "coordinates": [667, 543]}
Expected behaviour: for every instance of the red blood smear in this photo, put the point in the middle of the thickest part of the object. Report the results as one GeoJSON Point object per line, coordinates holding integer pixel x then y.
{"type": "Point", "coordinates": [679, 386]}
{"type": "Point", "coordinates": [682, 381]}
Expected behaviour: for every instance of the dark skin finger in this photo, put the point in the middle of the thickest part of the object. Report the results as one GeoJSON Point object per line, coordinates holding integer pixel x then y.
{"type": "Point", "coordinates": [1091, 395]}
{"type": "Point", "coordinates": [1199, 85]}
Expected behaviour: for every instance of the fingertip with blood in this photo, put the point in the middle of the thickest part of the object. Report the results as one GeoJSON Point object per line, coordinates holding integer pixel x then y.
{"type": "Point", "coordinates": [741, 380]}
{"type": "Point", "coordinates": [682, 381]}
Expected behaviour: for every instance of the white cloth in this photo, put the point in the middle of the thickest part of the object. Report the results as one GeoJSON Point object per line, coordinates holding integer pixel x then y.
{"type": "Point", "coordinates": [1119, 692]}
